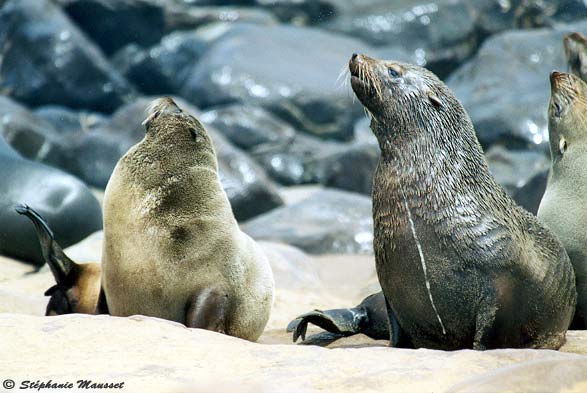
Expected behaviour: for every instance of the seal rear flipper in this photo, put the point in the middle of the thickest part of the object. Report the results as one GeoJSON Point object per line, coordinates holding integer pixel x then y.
{"type": "Point", "coordinates": [77, 286]}
{"type": "Point", "coordinates": [208, 309]}
{"type": "Point", "coordinates": [59, 263]}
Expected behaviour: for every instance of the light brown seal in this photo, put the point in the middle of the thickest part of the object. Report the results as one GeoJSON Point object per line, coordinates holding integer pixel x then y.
{"type": "Point", "coordinates": [172, 247]}
{"type": "Point", "coordinates": [459, 263]}
{"type": "Point", "coordinates": [563, 207]}
{"type": "Point", "coordinates": [77, 286]}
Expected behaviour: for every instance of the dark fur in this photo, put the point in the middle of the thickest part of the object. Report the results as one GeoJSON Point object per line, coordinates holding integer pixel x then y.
{"type": "Point", "coordinates": [498, 278]}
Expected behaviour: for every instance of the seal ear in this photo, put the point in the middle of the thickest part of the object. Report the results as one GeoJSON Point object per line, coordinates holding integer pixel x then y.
{"type": "Point", "coordinates": [434, 100]}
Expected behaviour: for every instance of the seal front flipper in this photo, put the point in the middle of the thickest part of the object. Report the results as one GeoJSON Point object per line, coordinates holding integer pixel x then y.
{"type": "Point", "coordinates": [77, 288]}
{"type": "Point", "coordinates": [369, 318]}
{"type": "Point", "coordinates": [208, 309]}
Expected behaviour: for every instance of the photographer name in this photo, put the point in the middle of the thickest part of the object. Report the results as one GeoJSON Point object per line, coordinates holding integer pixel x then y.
{"type": "Point", "coordinates": [79, 384]}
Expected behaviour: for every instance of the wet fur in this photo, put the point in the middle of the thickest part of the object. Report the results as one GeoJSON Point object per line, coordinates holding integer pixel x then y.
{"type": "Point", "coordinates": [171, 241]}
{"type": "Point", "coordinates": [563, 205]}
{"type": "Point", "coordinates": [497, 276]}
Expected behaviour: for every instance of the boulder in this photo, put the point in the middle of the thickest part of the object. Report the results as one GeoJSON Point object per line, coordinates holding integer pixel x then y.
{"type": "Point", "coordinates": [114, 23]}
{"type": "Point", "coordinates": [260, 65]}
{"type": "Point", "coordinates": [439, 34]}
{"type": "Point", "coordinates": [48, 60]}
{"type": "Point", "coordinates": [66, 203]}
{"type": "Point", "coordinates": [523, 174]}
{"type": "Point", "coordinates": [329, 221]}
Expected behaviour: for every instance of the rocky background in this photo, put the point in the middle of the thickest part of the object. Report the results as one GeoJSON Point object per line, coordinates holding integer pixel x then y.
{"type": "Point", "coordinates": [295, 150]}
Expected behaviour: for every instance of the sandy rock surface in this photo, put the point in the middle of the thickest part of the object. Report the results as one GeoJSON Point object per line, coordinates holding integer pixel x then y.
{"type": "Point", "coordinates": [152, 355]}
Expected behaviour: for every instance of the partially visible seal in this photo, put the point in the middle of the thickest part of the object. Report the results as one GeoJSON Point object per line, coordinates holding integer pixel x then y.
{"type": "Point", "coordinates": [172, 247]}
{"type": "Point", "coordinates": [459, 263]}
{"type": "Point", "coordinates": [562, 207]}
{"type": "Point", "coordinates": [77, 288]}
{"type": "Point", "coordinates": [575, 45]}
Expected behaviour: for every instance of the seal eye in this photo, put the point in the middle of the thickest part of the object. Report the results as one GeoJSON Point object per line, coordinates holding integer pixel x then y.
{"type": "Point", "coordinates": [562, 146]}
{"type": "Point", "coordinates": [194, 134]}
{"type": "Point", "coordinates": [393, 73]}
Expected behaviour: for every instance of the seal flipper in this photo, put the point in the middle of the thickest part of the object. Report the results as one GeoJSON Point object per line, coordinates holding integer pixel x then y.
{"type": "Point", "coordinates": [208, 309]}
{"type": "Point", "coordinates": [59, 263]}
{"type": "Point", "coordinates": [68, 274]}
{"type": "Point", "coordinates": [369, 318]}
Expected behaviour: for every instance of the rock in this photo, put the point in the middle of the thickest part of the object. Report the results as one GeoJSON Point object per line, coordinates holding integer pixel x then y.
{"type": "Point", "coordinates": [114, 24]}
{"type": "Point", "coordinates": [249, 128]}
{"type": "Point", "coordinates": [310, 101]}
{"type": "Point", "coordinates": [299, 12]}
{"type": "Point", "coordinates": [30, 135]}
{"type": "Point", "coordinates": [351, 169]}
{"type": "Point", "coordinates": [328, 221]}
{"type": "Point", "coordinates": [157, 356]}
{"type": "Point", "coordinates": [67, 204]}
{"type": "Point", "coordinates": [495, 16]}
{"type": "Point", "coordinates": [47, 60]}
{"type": "Point", "coordinates": [249, 190]}
{"type": "Point", "coordinates": [521, 173]}
{"type": "Point", "coordinates": [505, 88]}
{"type": "Point", "coordinates": [441, 34]}
{"type": "Point", "coordinates": [299, 161]}
{"type": "Point", "coordinates": [551, 373]}
{"type": "Point", "coordinates": [69, 123]}
{"type": "Point", "coordinates": [94, 157]}
{"type": "Point", "coordinates": [163, 68]}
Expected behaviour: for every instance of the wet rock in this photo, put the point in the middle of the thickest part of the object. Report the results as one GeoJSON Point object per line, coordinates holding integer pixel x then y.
{"type": "Point", "coordinates": [521, 173]}
{"type": "Point", "coordinates": [114, 24]}
{"type": "Point", "coordinates": [505, 88]}
{"type": "Point", "coordinates": [47, 60]}
{"type": "Point", "coordinates": [300, 161]}
{"type": "Point", "coordinates": [30, 135]}
{"type": "Point", "coordinates": [441, 34]}
{"type": "Point", "coordinates": [329, 221]}
{"type": "Point", "coordinates": [272, 77]}
{"type": "Point", "coordinates": [497, 16]}
{"type": "Point", "coordinates": [66, 203]}
{"type": "Point", "coordinates": [249, 127]}
{"type": "Point", "coordinates": [351, 168]}
{"type": "Point", "coordinates": [69, 123]}
{"type": "Point", "coordinates": [163, 68]}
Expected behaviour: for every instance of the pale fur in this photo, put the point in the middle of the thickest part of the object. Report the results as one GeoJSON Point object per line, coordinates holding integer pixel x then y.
{"type": "Point", "coordinates": [146, 269]}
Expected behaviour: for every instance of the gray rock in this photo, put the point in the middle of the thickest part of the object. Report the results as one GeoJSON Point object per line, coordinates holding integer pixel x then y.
{"type": "Point", "coordinates": [441, 34]}
{"type": "Point", "coordinates": [522, 174]}
{"type": "Point", "coordinates": [329, 221]}
{"type": "Point", "coordinates": [262, 66]}
{"type": "Point", "coordinates": [249, 127]}
{"type": "Point", "coordinates": [505, 88]}
{"type": "Point", "coordinates": [351, 168]}
{"type": "Point", "coordinates": [70, 123]}
{"type": "Point", "coordinates": [30, 135]}
{"type": "Point", "coordinates": [114, 23]}
{"type": "Point", "coordinates": [66, 203]}
{"type": "Point", "coordinates": [47, 60]}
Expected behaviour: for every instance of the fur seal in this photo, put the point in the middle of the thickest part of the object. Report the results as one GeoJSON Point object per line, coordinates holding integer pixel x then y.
{"type": "Point", "coordinates": [77, 288]}
{"type": "Point", "coordinates": [562, 207]}
{"type": "Point", "coordinates": [459, 263]}
{"type": "Point", "coordinates": [575, 45]}
{"type": "Point", "coordinates": [172, 247]}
